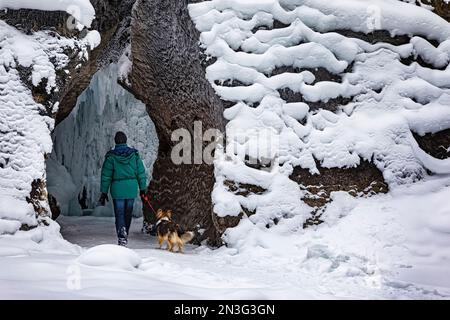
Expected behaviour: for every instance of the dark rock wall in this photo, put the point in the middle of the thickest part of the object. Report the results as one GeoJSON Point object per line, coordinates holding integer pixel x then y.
{"type": "Point", "coordinates": [169, 78]}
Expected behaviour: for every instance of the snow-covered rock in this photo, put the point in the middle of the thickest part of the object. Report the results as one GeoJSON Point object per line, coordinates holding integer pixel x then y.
{"type": "Point", "coordinates": [385, 98]}
{"type": "Point", "coordinates": [14, 212]}
{"type": "Point", "coordinates": [82, 10]}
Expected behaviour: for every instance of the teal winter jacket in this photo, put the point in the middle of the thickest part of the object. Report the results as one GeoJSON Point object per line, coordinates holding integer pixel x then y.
{"type": "Point", "coordinates": [123, 172]}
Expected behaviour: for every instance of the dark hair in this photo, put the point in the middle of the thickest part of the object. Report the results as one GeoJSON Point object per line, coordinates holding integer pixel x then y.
{"type": "Point", "coordinates": [120, 138]}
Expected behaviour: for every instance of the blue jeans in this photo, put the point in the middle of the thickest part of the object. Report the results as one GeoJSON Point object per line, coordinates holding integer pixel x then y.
{"type": "Point", "coordinates": [123, 210]}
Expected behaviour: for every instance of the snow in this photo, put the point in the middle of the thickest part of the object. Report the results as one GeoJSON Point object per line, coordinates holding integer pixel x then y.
{"type": "Point", "coordinates": [12, 211]}
{"type": "Point", "coordinates": [93, 39]}
{"type": "Point", "coordinates": [109, 255]}
{"type": "Point", "coordinates": [8, 226]}
{"type": "Point", "coordinates": [45, 239]}
{"type": "Point", "coordinates": [82, 10]}
{"type": "Point", "coordinates": [87, 134]}
{"type": "Point", "coordinates": [125, 65]}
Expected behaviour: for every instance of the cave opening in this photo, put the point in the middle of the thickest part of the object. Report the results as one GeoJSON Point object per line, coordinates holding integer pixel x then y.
{"type": "Point", "coordinates": [81, 141]}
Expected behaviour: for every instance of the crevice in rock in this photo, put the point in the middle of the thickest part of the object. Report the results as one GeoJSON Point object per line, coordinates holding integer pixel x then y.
{"type": "Point", "coordinates": [378, 36]}
{"type": "Point", "coordinates": [38, 197]}
{"type": "Point", "coordinates": [321, 74]}
{"type": "Point", "coordinates": [436, 144]}
{"type": "Point", "coordinates": [230, 83]}
{"type": "Point", "coordinates": [331, 105]}
{"type": "Point", "coordinates": [363, 180]}
{"type": "Point", "coordinates": [243, 189]}
{"type": "Point", "coordinates": [411, 59]}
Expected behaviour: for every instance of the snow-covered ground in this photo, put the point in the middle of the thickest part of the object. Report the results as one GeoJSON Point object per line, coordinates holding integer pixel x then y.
{"type": "Point", "coordinates": [394, 246]}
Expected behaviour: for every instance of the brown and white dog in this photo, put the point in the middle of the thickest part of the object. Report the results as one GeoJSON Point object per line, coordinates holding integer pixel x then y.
{"type": "Point", "coordinates": [170, 232]}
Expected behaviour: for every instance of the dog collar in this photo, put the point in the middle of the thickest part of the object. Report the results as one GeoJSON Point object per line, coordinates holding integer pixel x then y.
{"type": "Point", "coordinates": [161, 220]}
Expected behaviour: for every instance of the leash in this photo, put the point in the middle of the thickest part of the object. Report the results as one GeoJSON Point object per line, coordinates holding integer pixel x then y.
{"type": "Point", "coordinates": [147, 201]}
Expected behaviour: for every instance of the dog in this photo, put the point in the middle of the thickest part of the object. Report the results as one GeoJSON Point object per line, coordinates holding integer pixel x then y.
{"type": "Point", "coordinates": [170, 232]}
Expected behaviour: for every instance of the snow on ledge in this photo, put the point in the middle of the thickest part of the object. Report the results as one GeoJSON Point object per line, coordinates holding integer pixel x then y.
{"type": "Point", "coordinates": [82, 10]}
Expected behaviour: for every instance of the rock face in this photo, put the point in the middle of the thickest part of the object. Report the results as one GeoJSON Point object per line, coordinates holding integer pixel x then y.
{"type": "Point", "coordinates": [365, 179]}
{"type": "Point", "coordinates": [168, 77]}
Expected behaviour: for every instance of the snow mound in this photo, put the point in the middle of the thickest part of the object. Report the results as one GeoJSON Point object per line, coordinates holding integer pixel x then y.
{"type": "Point", "coordinates": [45, 239]}
{"type": "Point", "coordinates": [111, 256]}
{"type": "Point", "coordinates": [383, 93]}
{"type": "Point", "coordinates": [13, 212]}
{"type": "Point", "coordinates": [82, 10]}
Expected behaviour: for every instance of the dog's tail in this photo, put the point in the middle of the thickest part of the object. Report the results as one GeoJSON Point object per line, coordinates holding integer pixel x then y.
{"type": "Point", "coordinates": [187, 236]}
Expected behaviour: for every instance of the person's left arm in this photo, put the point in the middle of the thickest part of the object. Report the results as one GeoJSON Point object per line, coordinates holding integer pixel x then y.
{"type": "Point", "coordinates": [106, 179]}
{"type": "Point", "coordinates": [141, 174]}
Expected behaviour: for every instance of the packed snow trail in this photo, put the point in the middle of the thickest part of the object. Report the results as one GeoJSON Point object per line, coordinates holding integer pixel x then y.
{"type": "Point", "coordinates": [91, 231]}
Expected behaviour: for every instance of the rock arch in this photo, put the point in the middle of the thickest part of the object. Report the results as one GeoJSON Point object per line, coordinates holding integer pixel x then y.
{"type": "Point", "coordinates": [167, 75]}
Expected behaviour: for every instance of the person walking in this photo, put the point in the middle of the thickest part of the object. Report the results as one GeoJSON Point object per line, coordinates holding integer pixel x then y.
{"type": "Point", "coordinates": [123, 173]}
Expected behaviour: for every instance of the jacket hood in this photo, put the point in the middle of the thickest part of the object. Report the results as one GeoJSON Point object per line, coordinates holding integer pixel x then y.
{"type": "Point", "coordinates": [122, 153]}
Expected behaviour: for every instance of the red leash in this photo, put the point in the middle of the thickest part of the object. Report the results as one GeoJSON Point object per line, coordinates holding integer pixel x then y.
{"type": "Point", "coordinates": [147, 200]}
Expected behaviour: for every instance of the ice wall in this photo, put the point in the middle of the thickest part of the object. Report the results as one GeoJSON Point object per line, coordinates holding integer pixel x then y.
{"type": "Point", "coordinates": [83, 138]}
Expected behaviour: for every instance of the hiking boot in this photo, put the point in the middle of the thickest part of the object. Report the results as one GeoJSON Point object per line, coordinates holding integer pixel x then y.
{"type": "Point", "coordinates": [148, 228]}
{"type": "Point", "coordinates": [123, 242]}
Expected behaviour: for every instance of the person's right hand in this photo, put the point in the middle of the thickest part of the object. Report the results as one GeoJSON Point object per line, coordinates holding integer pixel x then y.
{"type": "Point", "coordinates": [103, 199]}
